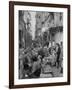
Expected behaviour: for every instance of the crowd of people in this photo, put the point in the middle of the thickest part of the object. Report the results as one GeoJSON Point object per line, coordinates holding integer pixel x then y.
{"type": "Point", "coordinates": [34, 59]}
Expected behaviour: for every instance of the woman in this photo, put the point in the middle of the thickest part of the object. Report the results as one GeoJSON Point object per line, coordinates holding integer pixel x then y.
{"type": "Point", "coordinates": [52, 57]}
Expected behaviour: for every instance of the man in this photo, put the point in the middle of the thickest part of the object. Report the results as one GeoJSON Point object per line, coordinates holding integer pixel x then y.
{"type": "Point", "coordinates": [58, 51]}
{"type": "Point", "coordinates": [36, 67]}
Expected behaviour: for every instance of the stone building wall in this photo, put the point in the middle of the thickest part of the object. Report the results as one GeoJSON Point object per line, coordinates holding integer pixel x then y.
{"type": "Point", "coordinates": [47, 20]}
